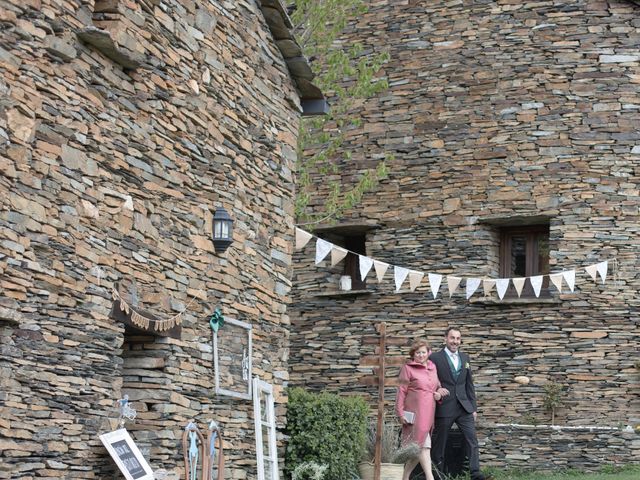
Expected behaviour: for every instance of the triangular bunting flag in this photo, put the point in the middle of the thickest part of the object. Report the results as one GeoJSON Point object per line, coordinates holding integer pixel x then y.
{"type": "Point", "coordinates": [322, 249]}
{"type": "Point", "coordinates": [399, 275]}
{"type": "Point", "coordinates": [452, 283]}
{"type": "Point", "coordinates": [472, 286]}
{"type": "Point", "coordinates": [570, 278]}
{"type": "Point", "coordinates": [556, 279]}
{"type": "Point", "coordinates": [602, 269]}
{"type": "Point", "coordinates": [501, 286]}
{"type": "Point", "coordinates": [302, 238]}
{"type": "Point", "coordinates": [519, 284]}
{"type": "Point", "coordinates": [380, 268]}
{"type": "Point", "coordinates": [337, 254]}
{"type": "Point", "coordinates": [487, 285]}
{"type": "Point", "coordinates": [592, 270]}
{"type": "Point", "coordinates": [365, 265]}
{"type": "Point", "coordinates": [536, 283]}
{"type": "Point", "coordinates": [435, 279]}
{"type": "Point", "coordinates": [414, 279]}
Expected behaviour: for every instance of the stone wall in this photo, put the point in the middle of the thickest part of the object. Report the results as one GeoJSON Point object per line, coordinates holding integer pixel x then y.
{"type": "Point", "coordinates": [496, 112]}
{"type": "Point", "coordinates": [123, 125]}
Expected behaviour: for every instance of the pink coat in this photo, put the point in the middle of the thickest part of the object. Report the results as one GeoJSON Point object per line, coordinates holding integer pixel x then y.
{"type": "Point", "coordinates": [418, 383]}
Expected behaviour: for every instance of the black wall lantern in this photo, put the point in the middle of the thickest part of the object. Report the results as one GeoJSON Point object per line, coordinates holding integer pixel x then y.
{"type": "Point", "coordinates": [222, 230]}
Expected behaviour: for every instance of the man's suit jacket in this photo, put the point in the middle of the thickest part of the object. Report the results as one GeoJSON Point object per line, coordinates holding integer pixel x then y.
{"type": "Point", "coordinates": [461, 390]}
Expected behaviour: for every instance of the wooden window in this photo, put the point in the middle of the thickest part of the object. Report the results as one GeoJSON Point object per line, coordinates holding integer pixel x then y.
{"type": "Point", "coordinates": [524, 252]}
{"type": "Point", "coordinates": [357, 245]}
{"type": "Point", "coordinates": [265, 425]}
{"type": "Point", "coordinates": [232, 353]}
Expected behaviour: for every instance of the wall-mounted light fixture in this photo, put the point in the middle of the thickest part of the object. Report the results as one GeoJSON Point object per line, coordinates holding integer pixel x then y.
{"type": "Point", "coordinates": [222, 230]}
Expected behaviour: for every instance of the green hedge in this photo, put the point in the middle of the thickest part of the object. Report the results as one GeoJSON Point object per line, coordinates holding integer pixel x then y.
{"type": "Point", "coordinates": [326, 429]}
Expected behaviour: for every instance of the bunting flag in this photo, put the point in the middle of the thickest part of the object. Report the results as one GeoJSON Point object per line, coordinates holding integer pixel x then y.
{"type": "Point", "coordinates": [518, 283]}
{"type": "Point", "coordinates": [322, 249]}
{"type": "Point", "coordinates": [414, 279]}
{"type": "Point", "coordinates": [365, 264]}
{"type": "Point", "coordinates": [556, 279]}
{"type": "Point", "coordinates": [602, 269]}
{"type": "Point", "coordinates": [435, 279]}
{"type": "Point", "coordinates": [400, 274]}
{"type": "Point", "coordinates": [302, 238]}
{"type": "Point", "coordinates": [536, 283]}
{"type": "Point", "coordinates": [592, 270]}
{"type": "Point", "coordinates": [501, 286]}
{"type": "Point", "coordinates": [452, 283]}
{"type": "Point", "coordinates": [380, 268]}
{"type": "Point", "coordinates": [337, 254]}
{"type": "Point", "coordinates": [487, 285]}
{"type": "Point", "coordinates": [471, 286]}
{"type": "Point", "coordinates": [570, 277]}
{"type": "Point", "coordinates": [143, 322]}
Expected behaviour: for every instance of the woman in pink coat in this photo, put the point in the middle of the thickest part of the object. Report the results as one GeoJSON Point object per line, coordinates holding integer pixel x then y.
{"type": "Point", "coordinates": [418, 393]}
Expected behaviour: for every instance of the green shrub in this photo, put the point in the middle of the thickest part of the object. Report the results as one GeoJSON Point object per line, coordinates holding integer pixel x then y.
{"type": "Point", "coordinates": [326, 429]}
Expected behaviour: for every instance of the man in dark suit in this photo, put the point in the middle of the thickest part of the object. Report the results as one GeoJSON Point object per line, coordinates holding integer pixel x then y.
{"type": "Point", "coordinates": [459, 406]}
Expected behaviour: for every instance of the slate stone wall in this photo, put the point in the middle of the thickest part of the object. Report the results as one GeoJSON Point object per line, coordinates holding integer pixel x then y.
{"type": "Point", "coordinates": [123, 125]}
{"type": "Point", "coordinates": [496, 113]}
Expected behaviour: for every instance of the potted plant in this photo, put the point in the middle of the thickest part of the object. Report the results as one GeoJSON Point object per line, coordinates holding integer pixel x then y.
{"type": "Point", "coordinates": [393, 455]}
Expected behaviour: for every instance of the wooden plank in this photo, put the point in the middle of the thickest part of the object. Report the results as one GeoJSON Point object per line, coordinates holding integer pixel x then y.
{"type": "Point", "coordinates": [373, 360]}
{"type": "Point", "coordinates": [382, 329]}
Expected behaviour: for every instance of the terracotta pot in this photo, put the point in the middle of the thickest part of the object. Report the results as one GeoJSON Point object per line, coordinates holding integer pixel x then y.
{"type": "Point", "coordinates": [388, 471]}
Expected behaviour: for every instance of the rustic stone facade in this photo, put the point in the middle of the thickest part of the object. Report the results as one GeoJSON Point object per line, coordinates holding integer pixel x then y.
{"type": "Point", "coordinates": [123, 125]}
{"type": "Point", "coordinates": [497, 113]}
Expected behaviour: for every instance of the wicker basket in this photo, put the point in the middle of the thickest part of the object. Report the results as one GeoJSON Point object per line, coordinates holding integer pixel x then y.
{"type": "Point", "coordinates": [388, 471]}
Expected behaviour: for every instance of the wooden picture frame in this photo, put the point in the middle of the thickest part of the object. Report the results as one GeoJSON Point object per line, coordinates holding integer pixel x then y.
{"type": "Point", "coordinates": [233, 361]}
{"type": "Point", "coordinates": [126, 455]}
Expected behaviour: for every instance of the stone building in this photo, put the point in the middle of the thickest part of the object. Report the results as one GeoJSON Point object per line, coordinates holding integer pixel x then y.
{"type": "Point", "coordinates": [124, 125]}
{"type": "Point", "coordinates": [513, 132]}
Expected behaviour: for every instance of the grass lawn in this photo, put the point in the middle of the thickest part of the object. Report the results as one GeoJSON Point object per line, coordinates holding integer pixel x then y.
{"type": "Point", "coordinates": [631, 472]}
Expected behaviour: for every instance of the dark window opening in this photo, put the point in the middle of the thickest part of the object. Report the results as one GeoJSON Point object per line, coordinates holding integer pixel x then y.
{"type": "Point", "coordinates": [356, 244]}
{"type": "Point", "coordinates": [524, 252]}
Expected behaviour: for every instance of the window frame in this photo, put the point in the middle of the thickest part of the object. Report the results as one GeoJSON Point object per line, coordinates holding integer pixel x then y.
{"type": "Point", "coordinates": [260, 388]}
{"type": "Point", "coordinates": [532, 265]}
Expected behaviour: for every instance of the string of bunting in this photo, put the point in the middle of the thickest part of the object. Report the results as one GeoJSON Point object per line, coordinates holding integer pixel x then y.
{"type": "Point", "coordinates": [337, 253]}
{"type": "Point", "coordinates": [144, 322]}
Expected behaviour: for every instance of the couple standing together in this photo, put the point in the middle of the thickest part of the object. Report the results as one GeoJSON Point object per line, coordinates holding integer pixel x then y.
{"type": "Point", "coordinates": [436, 390]}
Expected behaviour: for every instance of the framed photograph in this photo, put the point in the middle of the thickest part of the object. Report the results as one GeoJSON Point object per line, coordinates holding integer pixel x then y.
{"type": "Point", "coordinates": [232, 352]}
{"type": "Point", "coordinates": [126, 454]}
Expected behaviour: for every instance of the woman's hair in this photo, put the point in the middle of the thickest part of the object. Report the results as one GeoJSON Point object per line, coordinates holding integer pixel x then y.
{"type": "Point", "coordinates": [416, 345]}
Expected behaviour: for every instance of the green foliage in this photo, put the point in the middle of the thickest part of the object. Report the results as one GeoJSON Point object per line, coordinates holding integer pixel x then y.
{"type": "Point", "coordinates": [628, 472]}
{"type": "Point", "coordinates": [552, 399]}
{"type": "Point", "coordinates": [391, 449]}
{"type": "Point", "coordinates": [347, 74]}
{"type": "Point", "coordinates": [309, 471]}
{"type": "Point", "coordinates": [326, 429]}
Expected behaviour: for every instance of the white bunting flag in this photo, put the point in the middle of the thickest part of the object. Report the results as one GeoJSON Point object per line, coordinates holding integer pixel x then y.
{"type": "Point", "coordinates": [556, 279]}
{"type": "Point", "coordinates": [519, 284]}
{"type": "Point", "coordinates": [337, 254]}
{"type": "Point", "coordinates": [602, 269]}
{"type": "Point", "coordinates": [570, 277]}
{"type": "Point", "coordinates": [435, 279]}
{"type": "Point", "coordinates": [322, 249]}
{"type": "Point", "coordinates": [487, 285]}
{"type": "Point", "coordinates": [536, 283]}
{"type": "Point", "coordinates": [380, 268]}
{"type": "Point", "coordinates": [472, 286]}
{"type": "Point", "coordinates": [302, 238]}
{"type": "Point", "coordinates": [399, 275]}
{"type": "Point", "coordinates": [452, 283]}
{"type": "Point", "coordinates": [501, 286]}
{"type": "Point", "coordinates": [592, 270]}
{"type": "Point", "coordinates": [414, 279]}
{"type": "Point", "coordinates": [365, 265]}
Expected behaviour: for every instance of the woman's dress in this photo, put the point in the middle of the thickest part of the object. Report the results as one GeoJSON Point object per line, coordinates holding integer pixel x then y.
{"type": "Point", "coordinates": [418, 382]}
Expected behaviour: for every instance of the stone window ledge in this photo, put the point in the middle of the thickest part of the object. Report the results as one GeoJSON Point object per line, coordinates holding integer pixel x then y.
{"type": "Point", "coordinates": [515, 301]}
{"type": "Point", "coordinates": [344, 293]}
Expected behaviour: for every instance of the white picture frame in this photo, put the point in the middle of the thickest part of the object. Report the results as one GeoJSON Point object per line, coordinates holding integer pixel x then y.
{"type": "Point", "coordinates": [240, 375]}
{"type": "Point", "coordinates": [267, 464]}
{"type": "Point", "coordinates": [126, 455]}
